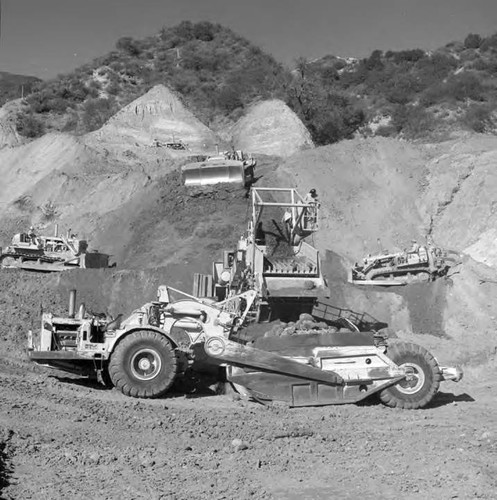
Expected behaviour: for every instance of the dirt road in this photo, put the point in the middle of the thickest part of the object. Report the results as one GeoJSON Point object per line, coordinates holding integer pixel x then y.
{"type": "Point", "coordinates": [67, 438]}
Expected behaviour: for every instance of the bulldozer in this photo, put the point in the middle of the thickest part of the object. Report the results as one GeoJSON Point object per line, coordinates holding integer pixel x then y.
{"type": "Point", "coordinates": [420, 263]}
{"type": "Point", "coordinates": [225, 167]}
{"type": "Point", "coordinates": [34, 252]}
{"type": "Point", "coordinates": [272, 257]}
{"type": "Point", "coordinates": [143, 355]}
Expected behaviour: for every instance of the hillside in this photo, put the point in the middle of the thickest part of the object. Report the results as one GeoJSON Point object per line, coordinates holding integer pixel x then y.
{"type": "Point", "coordinates": [415, 93]}
{"type": "Point", "coordinates": [216, 72]}
{"type": "Point", "coordinates": [218, 75]}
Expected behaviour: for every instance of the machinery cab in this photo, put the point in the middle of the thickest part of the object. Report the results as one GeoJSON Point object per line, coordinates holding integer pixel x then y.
{"type": "Point", "coordinates": [28, 241]}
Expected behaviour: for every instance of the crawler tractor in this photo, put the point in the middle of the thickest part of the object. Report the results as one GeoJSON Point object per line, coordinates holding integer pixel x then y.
{"type": "Point", "coordinates": [144, 354]}
{"type": "Point", "coordinates": [50, 253]}
{"type": "Point", "coordinates": [424, 263]}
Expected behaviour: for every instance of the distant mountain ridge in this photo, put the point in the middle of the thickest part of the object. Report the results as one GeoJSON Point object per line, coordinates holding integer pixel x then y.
{"type": "Point", "coordinates": [414, 93]}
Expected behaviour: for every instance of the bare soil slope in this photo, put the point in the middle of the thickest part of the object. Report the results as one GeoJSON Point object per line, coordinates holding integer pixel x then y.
{"type": "Point", "coordinates": [157, 115]}
{"type": "Point", "coordinates": [379, 194]}
{"type": "Point", "coordinates": [272, 128]}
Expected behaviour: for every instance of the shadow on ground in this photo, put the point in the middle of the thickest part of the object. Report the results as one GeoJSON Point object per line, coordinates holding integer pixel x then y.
{"type": "Point", "coordinates": [446, 398]}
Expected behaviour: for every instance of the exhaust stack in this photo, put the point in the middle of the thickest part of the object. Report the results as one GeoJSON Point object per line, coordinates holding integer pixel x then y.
{"type": "Point", "coordinates": [72, 303]}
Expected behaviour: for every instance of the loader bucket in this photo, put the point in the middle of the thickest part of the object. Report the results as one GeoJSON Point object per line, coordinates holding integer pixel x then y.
{"type": "Point", "coordinates": [213, 172]}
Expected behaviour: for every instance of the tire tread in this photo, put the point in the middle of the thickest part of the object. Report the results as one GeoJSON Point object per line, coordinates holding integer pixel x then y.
{"type": "Point", "coordinates": [397, 351]}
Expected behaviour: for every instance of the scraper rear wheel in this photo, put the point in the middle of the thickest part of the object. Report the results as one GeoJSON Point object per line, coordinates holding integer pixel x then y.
{"type": "Point", "coordinates": [423, 377]}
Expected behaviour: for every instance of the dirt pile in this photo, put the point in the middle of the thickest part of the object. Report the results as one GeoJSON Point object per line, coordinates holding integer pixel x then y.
{"type": "Point", "coordinates": [157, 115]}
{"type": "Point", "coordinates": [23, 166]}
{"type": "Point", "coordinates": [271, 127]}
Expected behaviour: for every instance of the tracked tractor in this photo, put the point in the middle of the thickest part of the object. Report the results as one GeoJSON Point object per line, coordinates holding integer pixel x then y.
{"type": "Point", "coordinates": [273, 257]}
{"type": "Point", "coordinates": [144, 354]}
{"type": "Point", "coordinates": [50, 253]}
{"type": "Point", "coordinates": [420, 263]}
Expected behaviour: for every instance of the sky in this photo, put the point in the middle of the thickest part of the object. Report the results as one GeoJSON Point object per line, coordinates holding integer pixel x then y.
{"type": "Point", "coordinates": [45, 38]}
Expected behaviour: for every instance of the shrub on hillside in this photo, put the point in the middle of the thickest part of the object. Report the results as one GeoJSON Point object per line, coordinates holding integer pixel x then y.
{"type": "Point", "coordinates": [29, 126]}
{"type": "Point", "coordinates": [472, 41]}
{"type": "Point", "coordinates": [412, 121]}
{"type": "Point", "coordinates": [480, 118]}
{"type": "Point", "coordinates": [401, 56]}
{"type": "Point", "coordinates": [489, 43]}
{"type": "Point", "coordinates": [435, 68]}
{"type": "Point", "coordinates": [465, 85]}
{"type": "Point", "coordinates": [457, 88]}
{"type": "Point", "coordinates": [402, 88]}
{"type": "Point", "coordinates": [129, 45]}
{"type": "Point", "coordinates": [96, 112]}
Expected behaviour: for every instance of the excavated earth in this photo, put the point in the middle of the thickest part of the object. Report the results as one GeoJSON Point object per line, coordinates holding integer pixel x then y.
{"type": "Point", "coordinates": [63, 436]}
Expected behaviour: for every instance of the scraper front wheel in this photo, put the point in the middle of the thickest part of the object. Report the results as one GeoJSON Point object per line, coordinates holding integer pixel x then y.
{"type": "Point", "coordinates": [423, 377]}
{"type": "Point", "coordinates": [143, 365]}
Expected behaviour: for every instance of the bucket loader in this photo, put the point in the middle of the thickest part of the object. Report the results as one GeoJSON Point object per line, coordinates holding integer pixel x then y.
{"type": "Point", "coordinates": [272, 257]}
{"type": "Point", "coordinates": [145, 353]}
{"type": "Point", "coordinates": [34, 252]}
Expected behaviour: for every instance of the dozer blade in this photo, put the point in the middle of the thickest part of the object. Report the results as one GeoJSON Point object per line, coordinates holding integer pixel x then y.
{"type": "Point", "coordinates": [378, 282]}
{"type": "Point", "coordinates": [213, 172]}
{"type": "Point", "coordinates": [385, 282]}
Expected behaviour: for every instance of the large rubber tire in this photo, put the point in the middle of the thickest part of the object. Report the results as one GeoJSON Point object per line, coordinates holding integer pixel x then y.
{"type": "Point", "coordinates": [143, 365]}
{"type": "Point", "coordinates": [418, 389]}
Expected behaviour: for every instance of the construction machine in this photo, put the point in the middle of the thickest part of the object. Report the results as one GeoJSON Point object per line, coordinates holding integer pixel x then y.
{"type": "Point", "coordinates": [228, 166]}
{"type": "Point", "coordinates": [272, 257]}
{"type": "Point", "coordinates": [34, 252]}
{"type": "Point", "coordinates": [143, 355]}
{"type": "Point", "coordinates": [420, 263]}
{"type": "Point", "coordinates": [272, 270]}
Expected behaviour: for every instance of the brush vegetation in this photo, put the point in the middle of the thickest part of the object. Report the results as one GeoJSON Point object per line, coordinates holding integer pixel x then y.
{"type": "Point", "coordinates": [218, 74]}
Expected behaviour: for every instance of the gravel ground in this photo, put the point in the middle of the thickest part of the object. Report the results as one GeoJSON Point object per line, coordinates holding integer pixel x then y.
{"type": "Point", "coordinates": [65, 437]}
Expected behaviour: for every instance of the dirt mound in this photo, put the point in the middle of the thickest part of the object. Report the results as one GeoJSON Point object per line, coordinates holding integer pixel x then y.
{"type": "Point", "coordinates": [271, 127]}
{"type": "Point", "coordinates": [157, 115]}
{"type": "Point", "coordinates": [23, 166]}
